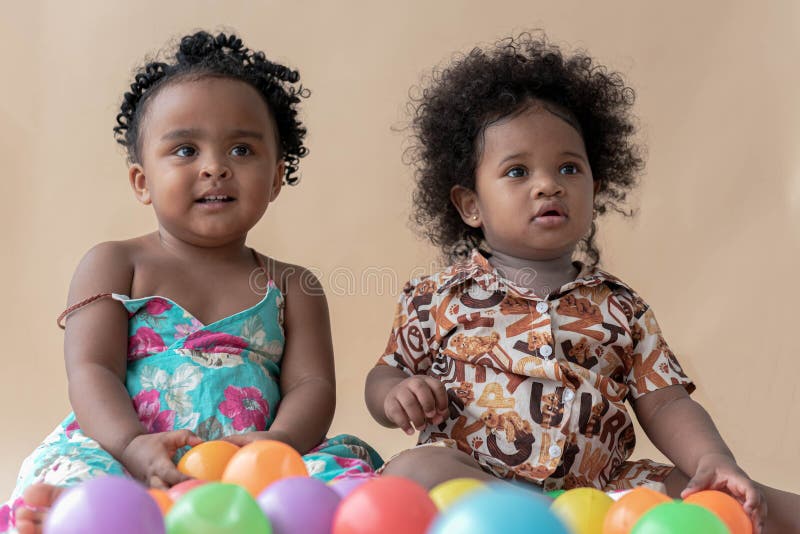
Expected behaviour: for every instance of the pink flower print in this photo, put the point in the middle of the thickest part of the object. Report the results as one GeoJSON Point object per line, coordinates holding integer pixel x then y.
{"type": "Point", "coordinates": [6, 518]}
{"type": "Point", "coordinates": [157, 306]}
{"type": "Point", "coordinates": [183, 330]}
{"type": "Point", "coordinates": [71, 428]}
{"type": "Point", "coordinates": [148, 406]}
{"type": "Point", "coordinates": [246, 406]}
{"type": "Point", "coordinates": [206, 341]}
{"type": "Point", "coordinates": [144, 343]}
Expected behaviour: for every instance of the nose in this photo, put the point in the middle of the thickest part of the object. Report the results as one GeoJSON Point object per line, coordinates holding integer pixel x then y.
{"type": "Point", "coordinates": [546, 184]}
{"type": "Point", "coordinates": [215, 167]}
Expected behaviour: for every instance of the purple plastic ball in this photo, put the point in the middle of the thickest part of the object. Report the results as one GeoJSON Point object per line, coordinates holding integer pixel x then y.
{"type": "Point", "coordinates": [105, 505]}
{"type": "Point", "coordinates": [299, 504]}
{"type": "Point", "coordinates": [343, 486]}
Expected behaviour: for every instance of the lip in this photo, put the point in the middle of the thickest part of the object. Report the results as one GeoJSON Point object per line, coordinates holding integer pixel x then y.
{"type": "Point", "coordinates": [556, 207]}
{"type": "Point", "coordinates": [216, 192]}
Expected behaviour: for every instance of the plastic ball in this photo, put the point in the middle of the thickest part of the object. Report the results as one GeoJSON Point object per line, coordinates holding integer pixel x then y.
{"type": "Point", "coordinates": [207, 461]}
{"type": "Point", "coordinates": [345, 485]}
{"type": "Point", "coordinates": [624, 513]}
{"type": "Point", "coordinates": [162, 498]}
{"type": "Point", "coordinates": [299, 504]}
{"type": "Point", "coordinates": [260, 463]}
{"type": "Point", "coordinates": [583, 509]}
{"type": "Point", "coordinates": [178, 490]}
{"type": "Point", "coordinates": [102, 505]}
{"type": "Point", "coordinates": [217, 508]}
{"type": "Point", "coordinates": [385, 505]}
{"type": "Point", "coordinates": [679, 518]}
{"type": "Point", "coordinates": [555, 494]}
{"type": "Point", "coordinates": [449, 492]}
{"type": "Point", "coordinates": [499, 510]}
{"type": "Point", "coordinates": [726, 508]}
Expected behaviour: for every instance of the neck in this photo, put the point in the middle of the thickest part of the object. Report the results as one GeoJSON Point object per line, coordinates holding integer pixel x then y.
{"type": "Point", "coordinates": [542, 276]}
{"type": "Point", "coordinates": [202, 254]}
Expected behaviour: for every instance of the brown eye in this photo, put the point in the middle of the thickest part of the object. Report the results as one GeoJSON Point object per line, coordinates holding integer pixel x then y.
{"type": "Point", "coordinates": [516, 172]}
{"type": "Point", "coordinates": [185, 152]}
{"type": "Point", "coordinates": [568, 168]}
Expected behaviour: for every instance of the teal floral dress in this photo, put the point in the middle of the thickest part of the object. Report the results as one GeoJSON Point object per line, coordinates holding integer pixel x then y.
{"type": "Point", "coordinates": [216, 380]}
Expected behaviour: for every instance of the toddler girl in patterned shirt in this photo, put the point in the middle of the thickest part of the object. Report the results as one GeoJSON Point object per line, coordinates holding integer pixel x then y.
{"type": "Point", "coordinates": [516, 361]}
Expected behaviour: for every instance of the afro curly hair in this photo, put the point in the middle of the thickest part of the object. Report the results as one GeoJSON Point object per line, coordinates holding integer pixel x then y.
{"type": "Point", "coordinates": [460, 100]}
{"type": "Point", "coordinates": [203, 55]}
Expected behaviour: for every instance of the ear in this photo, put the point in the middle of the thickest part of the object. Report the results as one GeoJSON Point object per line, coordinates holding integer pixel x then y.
{"type": "Point", "coordinates": [277, 180]}
{"type": "Point", "coordinates": [138, 183]}
{"type": "Point", "coordinates": [466, 202]}
{"type": "Point", "coordinates": [596, 186]}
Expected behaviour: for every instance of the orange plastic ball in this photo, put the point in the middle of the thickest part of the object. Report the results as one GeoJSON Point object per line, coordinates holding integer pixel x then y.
{"type": "Point", "coordinates": [162, 498]}
{"type": "Point", "coordinates": [624, 513]}
{"type": "Point", "coordinates": [207, 461]}
{"type": "Point", "coordinates": [260, 463]}
{"type": "Point", "coordinates": [728, 509]}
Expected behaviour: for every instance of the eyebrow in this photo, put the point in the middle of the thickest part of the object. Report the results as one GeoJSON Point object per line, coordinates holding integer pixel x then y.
{"type": "Point", "coordinates": [516, 155]}
{"type": "Point", "coordinates": [198, 133]}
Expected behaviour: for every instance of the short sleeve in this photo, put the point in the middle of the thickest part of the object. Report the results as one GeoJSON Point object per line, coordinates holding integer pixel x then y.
{"type": "Point", "coordinates": [408, 347]}
{"type": "Point", "coordinates": [652, 365]}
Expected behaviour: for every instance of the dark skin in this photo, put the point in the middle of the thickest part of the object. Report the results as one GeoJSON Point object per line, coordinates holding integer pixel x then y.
{"type": "Point", "coordinates": [205, 137]}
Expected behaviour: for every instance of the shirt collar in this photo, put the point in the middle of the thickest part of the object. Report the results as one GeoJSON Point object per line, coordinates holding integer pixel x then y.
{"type": "Point", "coordinates": [477, 268]}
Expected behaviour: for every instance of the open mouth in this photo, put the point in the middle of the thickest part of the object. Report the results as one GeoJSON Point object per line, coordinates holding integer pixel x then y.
{"type": "Point", "coordinates": [210, 199]}
{"type": "Point", "coordinates": [551, 213]}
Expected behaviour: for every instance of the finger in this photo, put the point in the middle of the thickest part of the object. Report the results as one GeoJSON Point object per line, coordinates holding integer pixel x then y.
{"type": "Point", "coordinates": [169, 474]}
{"type": "Point", "coordinates": [237, 439]}
{"type": "Point", "coordinates": [182, 438]}
{"type": "Point", "coordinates": [155, 482]}
{"type": "Point", "coordinates": [440, 395]}
{"type": "Point", "coordinates": [397, 415]}
{"type": "Point", "coordinates": [412, 408]}
{"type": "Point", "coordinates": [425, 398]}
{"type": "Point", "coordinates": [700, 481]}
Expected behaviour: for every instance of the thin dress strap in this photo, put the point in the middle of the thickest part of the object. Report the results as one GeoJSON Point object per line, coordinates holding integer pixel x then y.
{"type": "Point", "coordinates": [89, 300]}
{"type": "Point", "coordinates": [77, 306]}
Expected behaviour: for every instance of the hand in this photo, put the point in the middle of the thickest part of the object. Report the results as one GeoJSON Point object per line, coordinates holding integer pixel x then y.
{"type": "Point", "coordinates": [243, 439]}
{"type": "Point", "coordinates": [148, 457]}
{"type": "Point", "coordinates": [417, 400]}
{"type": "Point", "coordinates": [720, 472]}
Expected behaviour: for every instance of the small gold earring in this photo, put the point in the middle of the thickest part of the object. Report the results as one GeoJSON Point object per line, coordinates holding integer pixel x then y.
{"type": "Point", "coordinates": [474, 217]}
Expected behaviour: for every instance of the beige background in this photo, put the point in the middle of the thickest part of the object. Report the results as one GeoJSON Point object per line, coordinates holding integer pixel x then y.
{"type": "Point", "coordinates": [714, 249]}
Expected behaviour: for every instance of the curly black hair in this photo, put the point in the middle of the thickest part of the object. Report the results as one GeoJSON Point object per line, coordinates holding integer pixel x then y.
{"type": "Point", "coordinates": [203, 55]}
{"type": "Point", "coordinates": [460, 100]}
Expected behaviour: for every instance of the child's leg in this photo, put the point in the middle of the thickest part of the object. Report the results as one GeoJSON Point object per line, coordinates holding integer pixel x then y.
{"type": "Point", "coordinates": [429, 466]}
{"type": "Point", "coordinates": [783, 508]}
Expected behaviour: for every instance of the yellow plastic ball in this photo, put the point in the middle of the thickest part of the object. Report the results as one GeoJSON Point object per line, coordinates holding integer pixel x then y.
{"type": "Point", "coordinates": [583, 509]}
{"type": "Point", "coordinates": [449, 492]}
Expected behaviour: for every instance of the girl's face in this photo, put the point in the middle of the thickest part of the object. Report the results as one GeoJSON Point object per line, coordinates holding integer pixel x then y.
{"type": "Point", "coordinates": [210, 162]}
{"type": "Point", "coordinates": [534, 190]}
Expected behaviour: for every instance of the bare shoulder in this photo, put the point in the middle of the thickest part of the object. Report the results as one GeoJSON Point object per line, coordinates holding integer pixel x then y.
{"type": "Point", "coordinates": [294, 281]}
{"type": "Point", "coordinates": [107, 267]}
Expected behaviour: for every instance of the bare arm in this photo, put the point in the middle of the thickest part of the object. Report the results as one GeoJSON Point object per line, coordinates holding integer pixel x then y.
{"type": "Point", "coordinates": [308, 378]}
{"type": "Point", "coordinates": [685, 433]}
{"type": "Point", "coordinates": [95, 353]}
{"type": "Point", "coordinates": [679, 427]}
{"type": "Point", "coordinates": [95, 349]}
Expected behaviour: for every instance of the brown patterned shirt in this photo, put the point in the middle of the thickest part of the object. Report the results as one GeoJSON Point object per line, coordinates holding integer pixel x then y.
{"type": "Point", "coordinates": [537, 387]}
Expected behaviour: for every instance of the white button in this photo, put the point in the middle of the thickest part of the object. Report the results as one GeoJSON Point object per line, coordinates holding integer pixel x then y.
{"type": "Point", "coordinates": [555, 451]}
{"type": "Point", "coordinates": [568, 395]}
{"type": "Point", "coordinates": [545, 350]}
{"type": "Point", "coordinates": [541, 307]}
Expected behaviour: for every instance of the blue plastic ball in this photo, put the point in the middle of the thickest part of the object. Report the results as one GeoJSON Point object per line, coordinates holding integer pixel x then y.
{"type": "Point", "coordinates": [499, 510]}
